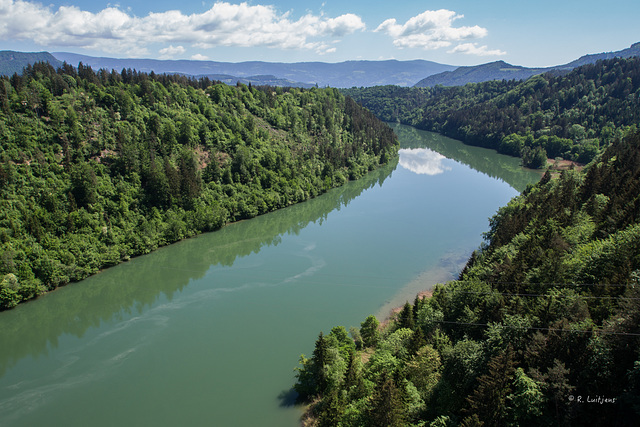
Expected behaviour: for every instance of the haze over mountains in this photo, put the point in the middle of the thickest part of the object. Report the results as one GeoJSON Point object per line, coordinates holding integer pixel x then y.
{"type": "Point", "coordinates": [341, 74]}
{"type": "Point", "coordinates": [500, 70]}
{"type": "Point", "coordinates": [348, 74]}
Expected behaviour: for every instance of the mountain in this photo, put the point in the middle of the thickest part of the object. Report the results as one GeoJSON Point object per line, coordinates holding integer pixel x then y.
{"type": "Point", "coordinates": [572, 116]}
{"type": "Point", "coordinates": [13, 62]}
{"type": "Point", "coordinates": [341, 74]}
{"type": "Point", "coordinates": [501, 70]}
{"type": "Point", "coordinates": [497, 70]}
{"type": "Point", "coordinates": [629, 52]}
{"type": "Point", "coordinates": [268, 80]}
{"type": "Point", "coordinates": [306, 74]}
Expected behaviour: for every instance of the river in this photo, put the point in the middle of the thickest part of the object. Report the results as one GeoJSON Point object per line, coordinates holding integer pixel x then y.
{"type": "Point", "coordinates": [207, 331]}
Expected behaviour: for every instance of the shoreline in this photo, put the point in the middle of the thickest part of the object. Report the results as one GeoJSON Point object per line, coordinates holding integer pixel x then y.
{"type": "Point", "coordinates": [447, 269]}
{"type": "Point", "coordinates": [130, 257]}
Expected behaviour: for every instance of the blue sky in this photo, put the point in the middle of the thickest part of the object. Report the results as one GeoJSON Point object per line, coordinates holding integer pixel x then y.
{"type": "Point", "coordinates": [529, 33]}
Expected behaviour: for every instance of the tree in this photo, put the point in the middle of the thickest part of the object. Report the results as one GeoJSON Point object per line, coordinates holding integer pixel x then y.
{"type": "Point", "coordinates": [405, 317]}
{"type": "Point", "coordinates": [558, 387]}
{"type": "Point", "coordinates": [534, 158]}
{"type": "Point", "coordinates": [418, 340]}
{"type": "Point", "coordinates": [190, 181]}
{"type": "Point", "coordinates": [387, 406]}
{"type": "Point", "coordinates": [83, 184]}
{"type": "Point", "coordinates": [369, 331]}
{"type": "Point", "coordinates": [526, 403]}
{"type": "Point", "coordinates": [343, 343]}
{"type": "Point", "coordinates": [423, 370]}
{"type": "Point", "coordinates": [332, 410]}
{"type": "Point", "coordinates": [320, 361]}
{"type": "Point", "coordinates": [489, 399]}
{"type": "Point", "coordinates": [157, 188]}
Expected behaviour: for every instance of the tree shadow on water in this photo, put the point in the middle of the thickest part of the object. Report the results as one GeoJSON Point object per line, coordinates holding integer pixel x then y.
{"type": "Point", "coordinates": [288, 398]}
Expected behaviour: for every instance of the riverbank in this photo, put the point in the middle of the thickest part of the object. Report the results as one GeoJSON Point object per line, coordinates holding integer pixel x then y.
{"type": "Point", "coordinates": [295, 271]}
{"type": "Point", "coordinates": [447, 269]}
{"type": "Point", "coordinates": [556, 166]}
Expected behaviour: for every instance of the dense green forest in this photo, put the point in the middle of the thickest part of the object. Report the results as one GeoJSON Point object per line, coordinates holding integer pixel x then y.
{"type": "Point", "coordinates": [573, 116]}
{"type": "Point", "coordinates": [97, 167]}
{"type": "Point", "coordinates": [542, 327]}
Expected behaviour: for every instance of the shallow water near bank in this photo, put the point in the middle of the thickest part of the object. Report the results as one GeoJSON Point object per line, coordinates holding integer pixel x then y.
{"type": "Point", "coordinates": [208, 331]}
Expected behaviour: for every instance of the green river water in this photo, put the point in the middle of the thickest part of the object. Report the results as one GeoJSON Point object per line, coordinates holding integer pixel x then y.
{"type": "Point", "coordinates": [207, 331]}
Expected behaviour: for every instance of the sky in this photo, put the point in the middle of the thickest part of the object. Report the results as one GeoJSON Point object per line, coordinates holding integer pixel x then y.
{"type": "Point", "coordinates": [529, 33]}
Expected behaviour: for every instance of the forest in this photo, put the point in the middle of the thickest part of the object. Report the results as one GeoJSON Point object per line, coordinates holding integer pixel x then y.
{"type": "Point", "coordinates": [97, 167]}
{"type": "Point", "coordinates": [542, 327]}
{"type": "Point", "coordinates": [574, 116]}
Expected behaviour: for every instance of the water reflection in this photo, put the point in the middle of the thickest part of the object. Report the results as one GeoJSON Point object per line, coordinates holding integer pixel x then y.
{"type": "Point", "coordinates": [422, 161]}
{"type": "Point", "coordinates": [184, 331]}
{"type": "Point", "coordinates": [34, 327]}
{"type": "Point", "coordinates": [489, 162]}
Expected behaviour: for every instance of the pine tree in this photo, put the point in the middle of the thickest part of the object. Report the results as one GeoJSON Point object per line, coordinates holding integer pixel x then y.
{"type": "Point", "coordinates": [369, 331]}
{"type": "Point", "coordinates": [489, 399]}
{"type": "Point", "coordinates": [320, 360]}
{"type": "Point", "coordinates": [387, 406]}
{"type": "Point", "coordinates": [418, 302]}
{"type": "Point", "coordinates": [418, 340]}
{"type": "Point", "coordinates": [332, 410]}
{"type": "Point", "coordinates": [405, 317]}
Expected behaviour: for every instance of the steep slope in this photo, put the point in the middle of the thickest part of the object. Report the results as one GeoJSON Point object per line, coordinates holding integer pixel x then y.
{"type": "Point", "coordinates": [99, 167]}
{"type": "Point", "coordinates": [541, 329]}
{"type": "Point", "coordinates": [572, 116]}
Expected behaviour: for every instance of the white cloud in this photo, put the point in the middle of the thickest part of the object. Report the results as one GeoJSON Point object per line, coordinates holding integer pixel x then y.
{"type": "Point", "coordinates": [170, 52]}
{"type": "Point", "coordinates": [422, 161]}
{"type": "Point", "coordinates": [199, 57]}
{"type": "Point", "coordinates": [474, 49]}
{"type": "Point", "coordinates": [325, 50]}
{"type": "Point", "coordinates": [432, 29]}
{"type": "Point", "coordinates": [224, 24]}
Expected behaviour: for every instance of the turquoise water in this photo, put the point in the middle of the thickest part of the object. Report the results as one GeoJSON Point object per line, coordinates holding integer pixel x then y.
{"type": "Point", "coordinates": [208, 331]}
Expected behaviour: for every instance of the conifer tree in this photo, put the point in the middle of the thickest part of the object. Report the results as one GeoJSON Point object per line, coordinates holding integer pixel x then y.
{"type": "Point", "coordinates": [320, 360]}
{"type": "Point", "coordinates": [489, 399]}
{"type": "Point", "coordinates": [418, 302]}
{"type": "Point", "coordinates": [332, 410]}
{"type": "Point", "coordinates": [387, 407]}
{"type": "Point", "coordinates": [405, 317]}
{"type": "Point", "coordinates": [418, 340]}
{"type": "Point", "coordinates": [369, 331]}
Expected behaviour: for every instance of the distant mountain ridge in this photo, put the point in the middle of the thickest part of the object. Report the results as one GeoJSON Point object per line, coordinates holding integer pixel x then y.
{"type": "Point", "coordinates": [497, 70]}
{"type": "Point", "coordinates": [500, 70]}
{"type": "Point", "coordinates": [341, 75]}
{"type": "Point", "coordinates": [633, 50]}
{"type": "Point", "coordinates": [263, 80]}
{"type": "Point", "coordinates": [307, 74]}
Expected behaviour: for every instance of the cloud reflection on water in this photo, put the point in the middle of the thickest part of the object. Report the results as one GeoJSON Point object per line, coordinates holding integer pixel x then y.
{"type": "Point", "coordinates": [422, 161]}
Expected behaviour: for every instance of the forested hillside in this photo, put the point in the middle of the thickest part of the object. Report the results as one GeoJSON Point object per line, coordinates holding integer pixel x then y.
{"type": "Point", "coordinates": [542, 328]}
{"type": "Point", "coordinates": [12, 62]}
{"type": "Point", "coordinates": [96, 167]}
{"type": "Point", "coordinates": [574, 116]}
